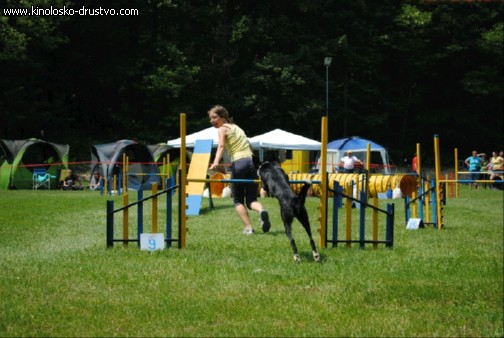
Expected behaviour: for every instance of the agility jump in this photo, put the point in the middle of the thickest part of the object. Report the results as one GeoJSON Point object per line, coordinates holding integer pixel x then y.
{"type": "Point", "coordinates": [324, 188]}
{"type": "Point", "coordinates": [140, 204]}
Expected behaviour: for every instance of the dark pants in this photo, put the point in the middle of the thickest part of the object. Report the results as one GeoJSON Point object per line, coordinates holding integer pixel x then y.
{"type": "Point", "coordinates": [244, 169]}
{"type": "Point", "coordinates": [474, 175]}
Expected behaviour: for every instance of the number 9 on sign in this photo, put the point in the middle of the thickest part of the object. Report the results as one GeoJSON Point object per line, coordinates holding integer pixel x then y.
{"type": "Point", "coordinates": [152, 242]}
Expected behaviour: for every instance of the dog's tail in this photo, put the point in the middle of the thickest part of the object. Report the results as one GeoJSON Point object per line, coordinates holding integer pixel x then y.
{"type": "Point", "coordinates": [304, 191]}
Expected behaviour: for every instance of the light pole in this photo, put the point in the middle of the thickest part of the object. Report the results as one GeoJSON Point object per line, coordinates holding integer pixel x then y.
{"type": "Point", "coordinates": [327, 63]}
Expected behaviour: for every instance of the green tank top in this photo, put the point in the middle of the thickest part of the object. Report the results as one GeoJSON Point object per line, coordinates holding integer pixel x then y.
{"type": "Point", "coordinates": [237, 143]}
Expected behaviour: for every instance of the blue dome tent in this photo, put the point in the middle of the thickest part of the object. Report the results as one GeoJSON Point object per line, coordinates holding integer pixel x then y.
{"type": "Point", "coordinates": [338, 148]}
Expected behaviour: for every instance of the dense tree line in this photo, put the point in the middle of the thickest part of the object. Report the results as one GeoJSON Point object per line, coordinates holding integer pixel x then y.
{"type": "Point", "coordinates": [401, 72]}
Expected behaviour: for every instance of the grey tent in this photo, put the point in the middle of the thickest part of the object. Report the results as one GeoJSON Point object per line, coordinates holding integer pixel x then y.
{"type": "Point", "coordinates": [108, 160]}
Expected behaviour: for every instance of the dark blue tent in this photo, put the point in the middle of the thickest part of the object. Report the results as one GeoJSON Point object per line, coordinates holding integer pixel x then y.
{"type": "Point", "coordinates": [338, 148]}
{"type": "Point", "coordinates": [353, 143]}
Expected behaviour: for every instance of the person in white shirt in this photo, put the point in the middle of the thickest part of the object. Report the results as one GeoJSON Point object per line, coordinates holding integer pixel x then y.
{"type": "Point", "coordinates": [349, 161]}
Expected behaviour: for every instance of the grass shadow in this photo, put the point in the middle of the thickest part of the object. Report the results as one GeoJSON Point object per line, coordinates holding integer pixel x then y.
{"type": "Point", "coordinates": [207, 209]}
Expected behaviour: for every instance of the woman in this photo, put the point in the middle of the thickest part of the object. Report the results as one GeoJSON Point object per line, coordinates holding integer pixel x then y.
{"type": "Point", "coordinates": [474, 163]}
{"type": "Point", "coordinates": [233, 138]}
{"type": "Point", "coordinates": [94, 183]}
{"type": "Point", "coordinates": [496, 164]}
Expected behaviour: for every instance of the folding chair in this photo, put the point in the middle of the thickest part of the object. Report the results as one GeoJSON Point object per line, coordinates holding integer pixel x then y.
{"type": "Point", "coordinates": [41, 179]}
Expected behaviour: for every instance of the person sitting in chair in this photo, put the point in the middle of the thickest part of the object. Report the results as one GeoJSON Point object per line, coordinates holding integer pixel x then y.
{"type": "Point", "coordinates": [72, 182]}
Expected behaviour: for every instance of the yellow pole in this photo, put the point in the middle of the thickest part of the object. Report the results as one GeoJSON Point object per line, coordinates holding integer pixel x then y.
{"type": "Point", "coordinates": [124, 173]}
{"type": "Point", "coordinates": [125, 219]}
{"type": "Point", "coordinates": [414, 208]}
{"type": "Point", "coordinates": [163, 174]}
{"type": "Point", "coordinates": [368, 169]}
{"type": "Point", "coordinates": [437, 182]}
{"type": "Point", "coordinates": [183, 181]}
{"type": "Point", "coordinates": [154, 209]}
{"type": "Point", "coordinates": [323, 184]}
{"type": "Point", "coordinates": [456, 173]}
{"type": "Point", "coordinates": [127, 172]}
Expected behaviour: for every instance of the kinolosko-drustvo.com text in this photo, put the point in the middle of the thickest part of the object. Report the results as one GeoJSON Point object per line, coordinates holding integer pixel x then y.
{"type": "Point", "coordinates": [83, 11]}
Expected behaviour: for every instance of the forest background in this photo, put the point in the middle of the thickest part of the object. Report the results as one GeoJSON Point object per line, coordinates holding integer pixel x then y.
{"type": "Point", "coordinates": [401, 71]}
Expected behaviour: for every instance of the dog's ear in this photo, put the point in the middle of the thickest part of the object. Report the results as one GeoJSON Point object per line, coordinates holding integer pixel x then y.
{"type": "Point", "coordinates": [263, 166]}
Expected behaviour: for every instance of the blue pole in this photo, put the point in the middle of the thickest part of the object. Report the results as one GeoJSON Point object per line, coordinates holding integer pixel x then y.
{"type": "Point", "coordinates": [102, 186]}
{"type": "Point", "coordinates": [336, 202]}
{"type": "Point", "coordinates": [170, 184]}
{"type": "Point", "coordinates": [421, 200]}
{"type": "Point", "coordinates": [407, 208]}
{"type": "Point", "coordinates": [119, 185]}
{"type": "Point", "coordinates": [433, 203]}
{"type": "Point", "coordinates": [389, 231]}
{"type": "Point", "coordinates": [110, 224]}
{"type": "Point", "coordinates": [139, 214]}
{"type": "Point", "coordinates": [362, 221]}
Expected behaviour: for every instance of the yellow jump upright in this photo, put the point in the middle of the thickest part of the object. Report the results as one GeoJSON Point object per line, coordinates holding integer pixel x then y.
{"type": "Point", "coordinates": [197, 170]}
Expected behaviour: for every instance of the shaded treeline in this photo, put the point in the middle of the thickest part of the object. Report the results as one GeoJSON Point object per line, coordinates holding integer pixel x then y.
{"type": "Point", "coordinates": [401, 72]}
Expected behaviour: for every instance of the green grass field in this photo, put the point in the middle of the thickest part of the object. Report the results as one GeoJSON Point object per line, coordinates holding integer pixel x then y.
{"type": "Point", "coordinates": [59, 279]}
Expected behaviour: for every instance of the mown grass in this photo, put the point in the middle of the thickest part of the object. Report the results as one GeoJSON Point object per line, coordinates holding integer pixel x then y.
{"type": "Point", "coordinates": [59, 279]}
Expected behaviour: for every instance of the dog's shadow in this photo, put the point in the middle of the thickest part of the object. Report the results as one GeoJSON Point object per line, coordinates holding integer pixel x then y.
{"type": "Point", "coordinates": [306, 256]}
{"type": "Point", "coordinates": [273, 233]}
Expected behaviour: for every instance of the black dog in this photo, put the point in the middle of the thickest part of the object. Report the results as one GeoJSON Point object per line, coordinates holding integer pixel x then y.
{"type": "Point", "coordinates": [276, 182]}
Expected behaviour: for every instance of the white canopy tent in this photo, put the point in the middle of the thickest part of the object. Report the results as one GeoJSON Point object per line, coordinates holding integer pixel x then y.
{"type": "Point", "coordinates": [280, 139]}
{"type": "Point", "coordinates": [209, 133]}
{"type": "Point", "coordinates": [284, 140]}
{"type": "Point", "coordinates": [275, 139]}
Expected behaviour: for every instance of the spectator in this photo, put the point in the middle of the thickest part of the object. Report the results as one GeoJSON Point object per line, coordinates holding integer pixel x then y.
{"type": "Point", "coordinates": [94, 183]}
{"type": "Point", "coordinates": [474, 163]}
{"type": "Point", "coordinates": [349, 161]}
{"type": "Point", "coordinates": [414, 164]}
{"type": "Point", "coordinates": [72, 182]}
{"type": "Point", "coordinates": [483, 171]}
{"type": "Point", "coordinates": [496, 165]}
